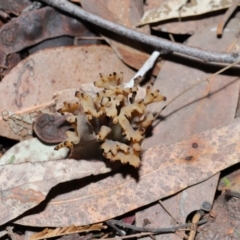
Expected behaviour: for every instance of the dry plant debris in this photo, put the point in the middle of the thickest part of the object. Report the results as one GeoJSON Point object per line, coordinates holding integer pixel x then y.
{"type": "Point", "coordinates": [132, 53]}
{"type": "Point", "coordinates": [26, 90]}
{"type": "Point", "coordinates": [183, 8]}
{"type": "Point", "coordinates": [92, 119]}
{"type": "Point", "coordinates": [114, 117]}
{"type": "Point", "coordinates": [49, 233]}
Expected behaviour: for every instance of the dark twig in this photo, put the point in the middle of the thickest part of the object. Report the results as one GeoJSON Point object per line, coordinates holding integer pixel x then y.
{"type": "Point", "coordinates": [226, 17]}
{"type": "Point", "coordinates": [121, 233]}
{"type": "Point", "coordinates": [158, 43]}
{"type": "Point", "coordinates": [153, 230]}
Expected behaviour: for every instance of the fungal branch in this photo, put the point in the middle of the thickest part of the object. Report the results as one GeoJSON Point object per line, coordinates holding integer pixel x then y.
{"type": "Point", "coordinates": [115, 116]}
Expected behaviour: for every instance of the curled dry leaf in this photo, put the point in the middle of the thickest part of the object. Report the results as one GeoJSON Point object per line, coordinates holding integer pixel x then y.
{"type": "Point", "coordinates": [51, 128]}
{"type": "Point", "coordinates": [183, 8]}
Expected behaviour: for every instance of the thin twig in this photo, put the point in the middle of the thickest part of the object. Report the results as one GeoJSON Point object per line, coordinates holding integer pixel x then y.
{"type": "Point", "coordinates": [226, 16]}
{"type": "Point", "coordinates": [129, 236]}
{"type": "Point", "coordinates": [156, 42]}
{"type": "Point", "coordinates": [194, 85]}
{"type": "Point", "coordinates": [121, 232]}
{"type": "Point", "coordinates": [198, 215]}
{"type": "Point", "coordinates": [145, 68]}
{"type": "Point", "coordinates": [10, 232]}
{"type": "Point", "coordinates": [6, 114]}
{"type": "Point", "coordinates": [153, 230]}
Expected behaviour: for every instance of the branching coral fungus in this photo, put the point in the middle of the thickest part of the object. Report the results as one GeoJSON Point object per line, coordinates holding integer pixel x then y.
{"type": "Point", "coordinates": [118, 119]}
{"type": "Point", "coordinates": [114, 116]}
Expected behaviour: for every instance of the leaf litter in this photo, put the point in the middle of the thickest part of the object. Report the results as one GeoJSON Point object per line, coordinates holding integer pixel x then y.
{"type": "Point", "coordinates": [133, 54]}
{"type": "Point", "coordinates": [183, 8]}
{"type": "Point", "coordinates": [28, 90]}
{"type": "Point", "coordinates": [112, 195]}
{"type": "Point", "coordinates": [200, 101]}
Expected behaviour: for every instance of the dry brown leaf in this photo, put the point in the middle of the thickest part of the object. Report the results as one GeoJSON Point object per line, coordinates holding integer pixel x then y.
{"type": "Point", "coordinates": [156, 217]}
{"type": "Point", "coordinates": [195, 111]}
{"type": "Point", "coordinates": [25, 185]}
{"type": "Point", "coordinates": [186, 26]}
{"type": "Point", "coordinates": [33, 82]}
{"type": "Point", "coordinates": [164, 165]}
{"type": "Point", "coordinates": [183, 26]}
{"type": "Point", "coordinates": [200, 196]}
{"type": "Point", "coordinates": [127, 13]}
{"type": "Point", "coordinates": [204, 106]}
{"type": "Point", "coordinates": [163, 173]}
{"type": "Point", "coordinates": [32, 150]}
{"type": "Point", "coordinates": [16, 8]}
{"type": "Point", "coordinates": [35, 26]}
{"type": "Point", "coordinates": [182, 8]}
{"type": "Point", "coordinates": [49, 233]}
{"type": "Point", "coordinates": [174, 210]}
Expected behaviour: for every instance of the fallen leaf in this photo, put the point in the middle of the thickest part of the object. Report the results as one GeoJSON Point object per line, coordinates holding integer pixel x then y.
{"type": "Point", "coordinates": [193, 111]}
{"type": "Point", "coordinates": [201, 108]}
{"type": "Point", "coordinates": [186, 26]}
{"type": "Point", "coordinates": [156, 217]}
{"type": "Point", "coordinates": [14, 7]}
{"type": "Point", "coordinates": [190, 26]}
{"type": "Point", "coordinates": [26, 184]}
{"type": "Point", "coordinates": [164, 165]}
{"type": "Point", "coordinates": [35, 26]}
{"type": "Point", "coordinates": [175, 209]}
{"type": "Point", "coordinates": [182, 8]}
{"type": "Point", "coordinates": [200, 196]}
{"type": "Point", "coordinates": [32, 150]}
{"type": "Point", "coordinates": [30, 86]}
{"type": "Point", "coordinates": [49, 233]}
{"type": "Point", "coordinates": [132, 53]}
{"type": "Point", "coordinates": [218, 149]}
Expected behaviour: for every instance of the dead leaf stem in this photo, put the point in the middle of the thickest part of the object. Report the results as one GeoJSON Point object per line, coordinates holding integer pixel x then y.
{"type": "Point", "coordinates": [31, 109]}
{"type": "Point", "coordinates": [145, 68]}
{"type": "Point", "coordinates": [153, 230]}
{"type": "Point", "coordinates": [198, 215]}
{"type": "Point", "coordinates": [156, 42]}
{"type": "Point", "coordinates": [226, 17]}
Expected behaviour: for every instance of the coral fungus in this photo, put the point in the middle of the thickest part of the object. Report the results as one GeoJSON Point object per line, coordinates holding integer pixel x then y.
{"type": "Point", "coordinates": [113, 116]}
